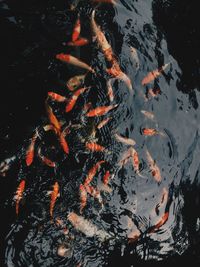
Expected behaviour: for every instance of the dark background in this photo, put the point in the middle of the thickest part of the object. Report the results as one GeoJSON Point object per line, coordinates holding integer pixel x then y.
{"type": "Point", "coordinates": [31, 35]}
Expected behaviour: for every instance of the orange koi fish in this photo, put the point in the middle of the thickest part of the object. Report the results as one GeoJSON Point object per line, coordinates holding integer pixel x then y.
{"type": "Point", "coordinates": [54, 196]}
{"type": "Point", "coordinates": [83, 197]}
{"type": "Point", "coordinates": [160, 223]}
{"type": "Point", "coordinates": [148, 114]}
{"type": "Point", "coordinates": [116, 72]}
{"type": "Point", "coordinates": [63, 143]}
{"type": "Point", "coordinates": [151, 132]}
{"type": "Point", "coordinates": [151, 76]}
{"type": "Point", "coordinates": [92, 172]}
{"type": "Point", "coordinates": [99, 111]}
{"type": "Point", "coordinates": [110, 90]}
{"type": "Point", "coordinates": [155, 171]}
{"type": "Point", "coordinates": [77, 30]}
{"type": "Point", "coordinates": [106, 177]}
{"type": "Point", "coordinates": [19, 194]}
{"type": "Point", "coordinates": [103, 123]}
{"type": "Point", "coordinates": [124, 140]}
{"type": "Point", "coordinates": [72, 101]}
{"type": "Point", "coordinates": [79, 42]}
{"type": "Point", "coordinates": [74, 61]}
{"type": "Point", "coordinates": [86, 227]}
{"type": "Point", "coordinates": [52, 118]}
{"type": "Point", "coordinates": [94, 147]}
{"type": "Point", "coordinates": [56, 97]}
{"type": "Point", "coordinates": [76, 81]}
{"type": "Point", "coordinates": [31, 150]}
{"type": "Point", "coordinates": [135, 159]}
{"type": "Point", "coordinates": [45, 160]}
{"type": "Point", "coordinates": [163, 200]}
{"type": "Point", "coordinates": [94, 193]}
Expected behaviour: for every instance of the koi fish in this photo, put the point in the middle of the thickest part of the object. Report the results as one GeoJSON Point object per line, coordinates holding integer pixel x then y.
{"type": "Point", "coordinates": [151, 76]}
{"type": "Point", "coordinates": [155, 171]}
{"type": "Point", "coordinates": [135, 159]}
{"type": "Point", "coordinates": [94, 147]}
{"type": "Point", "coordinates": [95, 193]}
{"type": "Point", "coordinates": [134, 56]}
{"type": "Point", "coordinates": [72, 101]}
{"type": "Point", "coordinates": [163, 200]}
{"type": "Point", "coordinates": [103, 123]}
{"type": "Point", "coordinates": [116, 72]}
{"type": "Point", "coordinates": [148, 114]}
{"type": "Point", "coordinates": [54, 196]}
{"type": "Point", "coordinates": [92, 172]}
{"type": "Point", "coordinates": [86, 227]}
{"type": "Point", "coordinates": [77, 30]}
{"type": "Point", "coordinates": [76, 81]}
{"type": "Point", "coordinates": [83, 197]}
{"type": "Point", "coordinates": [31, 150]}
{"type": "Point", "coordinates": [56, 97]}
{"type": "Point", "coordinates": [110, 90]}
{"type": "Point", "coordinates": [99, 111]}
{"type": "Point", "coordinates": [52, 118]}
{"type": "Point", "coordinates": [19, 194]}
{"type": "Point", "coordinates": [63, 143]}
{"type": "Point", "coordinates": [124, 140]}
{"type": "Point", "coordinates": [78, 42]}
{"type": "Point", "coordinates": [106, 177]}
{"type": "Point", "coordinates": [6, 165]}
{"type": "Point", "coordinates": [125, 158]}
{"type": "Point", "coordinates": [74, 61]}
{"type": "Point", "coordinates": [151, 132]}
{"type": "Point", "coordinates": [160, 223]}
{"type": "Point", "coordinates": [45, 160]}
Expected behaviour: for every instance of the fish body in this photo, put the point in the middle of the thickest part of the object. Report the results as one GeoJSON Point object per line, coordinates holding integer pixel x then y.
{"type": "Point", "coordinates": [78, 42]}
{"type": "Point", "coordinates": [54, 196]}
{"type": "Point", "coordinates": [106, 177]}
{"type": "Point", "coordinates": [72, 101]}
{"type": "Point", "coordinates": [135, 159]}
{"type": "Point", "coordinates": [94, 147]}
{"type": "Point", "coordinates": [151, 76]}
{"type": "Point", "coordinates": [83, 197]}
{"type": "Point", "coordinates": [92, 172]}
{"type": "Point", "coordinates": [56, 97]}
{"type": "Point", "coordinates": [155, 171]}
{"type": "Point", "coordinates": [73, 61]}
{"type": "Point", "coordinates": [135, 57]}
{"type": "Point", "coordinates": [31, 150]}
{"type": "Point", "coordinates": [124, 140]}
{"type": "Point", "coordinates": [76, 30]}
{"type": "Point", "coordinates": [45, 160]}
{"type": "Point", "coordinates": [19, 194]}
{"type": "Point", "coordinates": [76, 81]}
{"type": "Point", "coordinates": [103, 123]}
{"type": "Point", "coordinates": [87, 228]}
{"type": "Point", "coordinates": [100, 111]}
{"type": "Point", "coordinates": [148, 114]}
{"type": "Point", "coordinates": [94, 193]}
{"type": "Point", "coordinates": [110, 90]}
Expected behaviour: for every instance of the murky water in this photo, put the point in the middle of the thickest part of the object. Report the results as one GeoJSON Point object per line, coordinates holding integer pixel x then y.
{"type": "Point", "coordinates": [140, 216]}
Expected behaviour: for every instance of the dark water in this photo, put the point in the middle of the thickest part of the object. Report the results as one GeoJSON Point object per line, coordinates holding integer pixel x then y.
{"type": "Point", "coordinates": [32, 34]}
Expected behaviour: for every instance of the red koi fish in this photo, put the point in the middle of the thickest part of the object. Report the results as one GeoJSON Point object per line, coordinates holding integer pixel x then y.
{"type": "Point", "coordinates": [155, 171]}
{"type": "Point", "coordinates": [56, 97]}
{"type": "Point", "coordinates": [31, 150]}
{"type": "Point", "coordinates": [77, 30]}
{"type": "Point", "coordinates": [92, 172]}
{"type": "Point", "coordinates": [124, 140]}
{"type": "Point", "coordinates": [106, 177]}
{"type": "Point", "coordinates": [74, 61]}
{"type": "Point", "coordinates": [151, 132]}
{"type": "Point", "coordinates": [135, 159]}
{"type": "Point", "coordinates": [45, 160]}
{"type": "Point", "coordinates": [83, 197]}
{"type": "Point", "coordinates": [72, 101]}
{"type": "Point", "coordinates": [63, 143]}
{"type": "Point", "coordinates": [160, 223]}
{"type": "Point", "coordinates": [94, 147]}
{"type": "Point", "coordinates": [79, 42]}
{"type": "Point", "coordinates": [19, 194]}
{"type": "Point", "coordinates": [94, 193]}
{"type": "Point", "coordinates": [54, 196]}
{"type": "Point", "coordinates": [76, 81]}
{"type": "Point", "coordinates": [151, 76]}
{"type": "Point", "coordinates": [99, 111]}
{"type": "Point", "coordinates": [103, 123]}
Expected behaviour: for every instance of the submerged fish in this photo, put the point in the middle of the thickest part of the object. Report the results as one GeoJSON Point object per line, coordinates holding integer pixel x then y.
{"type": "Point", "coordinates": [94, 147]}
{"type": "Point", "coordinates": [45, 160]}
{"type": "Point", "coordinates": [134, 56]}
{"type": "Point", "coordinates": [92, 172]}
{"type": "Point", "coordinates": [56, 97]}
{"type": "Point", "coordinates": [155, 171]}
{"type": "Point", "coordinates": [54, 196]}
{"type": "Point", "coordinates": [19, 194]}
{"type": "Point", "coordinates": [124, 140]}
{"type": "Point", "coordinates": [87, 228]}
{"type": "Point", "coordinates": [148, 114]}
{"type": "Point", "coordinates": [103, 123]}
{"type": "Point", "coordinates": [99, 111]}
{"type": "Point", "coordinates": [76, 30]}
{"type": "Point", "coordinates": [73, 61]}
{"type": "Point", "coordinates": [151, 76]}
{"type": "Point", "coordinates": [151, 132]}
{"type": "Point", "coordinates": [79, 42]}
{"type": "Point", "coordinates": [72, 101]}
{"type": "Point", "coordinates": [31, 149]}
{"type": "Point", "coordinates": [83, 197]}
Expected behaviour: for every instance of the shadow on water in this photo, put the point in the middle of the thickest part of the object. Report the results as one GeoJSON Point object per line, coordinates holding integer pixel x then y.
{"type": "Point", "coordinates": [143, 221]}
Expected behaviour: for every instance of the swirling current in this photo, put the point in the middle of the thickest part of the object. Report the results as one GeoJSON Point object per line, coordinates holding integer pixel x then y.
{"type": "Point", "coordinates": [101, 166]}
